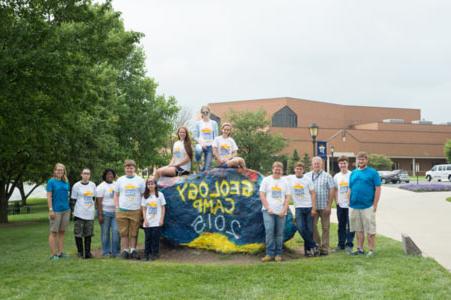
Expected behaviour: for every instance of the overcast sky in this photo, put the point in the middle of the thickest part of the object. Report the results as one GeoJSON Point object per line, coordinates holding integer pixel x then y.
{"type": "Point", "coordinates": [375, 53]}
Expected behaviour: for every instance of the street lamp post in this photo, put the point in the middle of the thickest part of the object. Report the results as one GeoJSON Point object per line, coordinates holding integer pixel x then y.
{"type": "Point", "coordinates": [313, 133]}
{"type": "Point", "coordinates": [332, 150]}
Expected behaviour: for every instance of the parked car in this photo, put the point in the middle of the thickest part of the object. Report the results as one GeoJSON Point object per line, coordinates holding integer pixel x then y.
{"type": "Point", "coordinates": [395, 176]}
{"type": "Point", "coordinates": [439, 173]}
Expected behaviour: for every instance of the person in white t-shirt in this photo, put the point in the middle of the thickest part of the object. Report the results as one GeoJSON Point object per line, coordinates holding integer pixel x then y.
{"type": "Point", "coordinates": [153, 210]}
{"type": "Point", "coordinates": [182, 154]}
{"type": "Point", "coordinates": [274, 195]}
{"type": "Point", "coordinates": [128, 192]}
{"type": "Point", "coordinates": [84, 192]}
{"type": "Point", "coordinates": [205, 131]}
{"type": "Point", "coordinates": [341, 179]}
{"type": "Point", "coordinates": [304, 198]}
{"type": "Point", "coordinates": [107, 215]}
{"type": "Point", "coordinates": [225, 149]}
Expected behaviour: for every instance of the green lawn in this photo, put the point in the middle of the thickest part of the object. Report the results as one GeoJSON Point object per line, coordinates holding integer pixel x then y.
{"type": "Point", "coordinates": [26, 272]}
{"type": "Point", "coordinates": [448, 199]}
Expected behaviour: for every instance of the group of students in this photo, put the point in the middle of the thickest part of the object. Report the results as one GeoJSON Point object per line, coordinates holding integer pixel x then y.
{"type": "Point", "coordinates": [122, 204]}
{"type": "Point", "coordinates": [125, 205]}
{"type": "Point", "coordinates": [356, 195]}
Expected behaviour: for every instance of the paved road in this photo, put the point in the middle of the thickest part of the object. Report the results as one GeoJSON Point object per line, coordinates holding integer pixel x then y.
{"type": "Point", "coordinates": [425, 217]}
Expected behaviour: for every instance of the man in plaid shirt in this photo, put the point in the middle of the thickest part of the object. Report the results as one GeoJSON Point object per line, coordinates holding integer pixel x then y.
{"type": "Point", "coordinates": [324, 189]}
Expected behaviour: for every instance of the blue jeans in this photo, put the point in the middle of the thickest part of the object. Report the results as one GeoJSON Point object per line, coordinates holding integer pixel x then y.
{"type": "Point", "coordinates": [110, 232]}
{"type": "Point", "coordinates": [304, 224]}
{"type": "Point", "coordinates": [345, 237]}
{"type": "Point", "coordinates": [274, 226]}
{"type": "Point", "coordinates": [208, 156]}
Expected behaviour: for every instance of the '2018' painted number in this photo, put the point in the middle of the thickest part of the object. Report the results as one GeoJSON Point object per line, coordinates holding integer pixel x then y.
{"type": "Point", "coordinates": [208, 222]}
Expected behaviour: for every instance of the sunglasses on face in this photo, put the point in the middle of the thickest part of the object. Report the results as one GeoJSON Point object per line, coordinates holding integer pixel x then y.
{"type": "Point", "coordinates": [205, 112]}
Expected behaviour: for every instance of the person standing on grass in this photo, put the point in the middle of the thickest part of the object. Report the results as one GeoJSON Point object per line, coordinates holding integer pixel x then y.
{"type": "Point", "coordinates": [84, 192]}
{"type": "Point", "coordinates": [107, 215]}
{"type": "Point", "coordinates": [324, 189]}
{"type": "Point", "coordinates": [205, 131]}
{"type": "Point", "coordinates": [153, 209]}
{"type": "Point", "coordinates": [341, 179]}
{"type": "Point", "coordinates": [59, 210]}
{"type": "Point", "coordinates": [275, 196]}
{"type": "Point", "coordinates": [365, 189]}
{"type": "Point", "coordinates": [128, 192]}
{"type": "Point", "coordinates": [304, 198]}
{"type": "Point", "coordinates": [182, 154]}
{"type": "Point", "coordinates": [225, 148]}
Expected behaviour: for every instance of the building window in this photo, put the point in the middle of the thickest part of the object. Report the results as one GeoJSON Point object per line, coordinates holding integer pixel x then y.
{"type": "Point", "coordinates": [215, 118]}
{"type": "Point", "coordinates": [285, 117]}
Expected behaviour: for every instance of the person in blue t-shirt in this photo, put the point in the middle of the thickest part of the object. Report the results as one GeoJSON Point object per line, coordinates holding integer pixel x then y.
{"type": "Point", "coordinates": [365, 191]}
{"type": "Point", "coordinates": [59, 210]}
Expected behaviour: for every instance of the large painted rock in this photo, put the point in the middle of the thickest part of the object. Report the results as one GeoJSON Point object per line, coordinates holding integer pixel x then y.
{"type": "Point", "coordinates": [217, 210]}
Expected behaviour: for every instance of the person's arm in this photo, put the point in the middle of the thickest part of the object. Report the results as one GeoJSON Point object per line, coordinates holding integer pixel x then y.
{"type": "Point", "coordinates": [116, 199]}
{"type": "Point", "coordinates": [216, 154]}
{"type": "Point", "coordinates": [196, 132]}
{"type": "Point", "coordinates": [215, 128]}
{"type": "Point", "coordinates": [377, 195]}
{"type": "Point", "coordinates": [313, 195]}
{"type": "Point", "coordinates": [185, 160]}
{"type": "Point", "coordinates": [143, 209]}
{"type": "Point", "coordinates": [99, 201]}
{"type": "Point", "coordinates": [49, 203]}
{"type": "Point", "coordinates": [285, 205]}
{"type": "Point", "coordinates": [265, 202]}
{"type": "Point", "coordinates": [234, 154]}
{"type": "Point", "coordinates": [163, 211]}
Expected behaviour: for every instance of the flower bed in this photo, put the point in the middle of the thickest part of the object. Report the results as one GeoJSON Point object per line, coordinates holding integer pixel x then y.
{"type": "Point", "coordinates": [427, 187]}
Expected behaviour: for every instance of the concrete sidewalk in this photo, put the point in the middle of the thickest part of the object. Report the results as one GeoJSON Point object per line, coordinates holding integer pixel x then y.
{"type": "Point", "coordinates": [425, 217]}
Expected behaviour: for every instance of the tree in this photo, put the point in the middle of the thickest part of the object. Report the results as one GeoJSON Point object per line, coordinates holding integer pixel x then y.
{"type": "Point", "coordinates": [380, 162]}
{"type": "Point", "coordinates": [73, 89]}
{"type": "Point", "coordinates": [293, 159]}
{"type": "Point", "coordinates": [307, 162]}
{"type": "Point", "coordinates": [447, 150]}
{"type": "Point", "coordinates": [256, 144]}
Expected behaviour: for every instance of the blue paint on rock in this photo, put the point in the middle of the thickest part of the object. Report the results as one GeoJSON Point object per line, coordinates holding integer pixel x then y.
{"type": "Point", "coordinates": [189, 213]}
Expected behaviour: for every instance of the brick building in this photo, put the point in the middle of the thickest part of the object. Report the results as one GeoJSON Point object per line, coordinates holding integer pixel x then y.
{"type": "Point", "coordinates": [398, 133]}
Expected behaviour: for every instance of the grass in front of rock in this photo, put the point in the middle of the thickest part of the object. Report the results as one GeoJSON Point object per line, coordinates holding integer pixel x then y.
{"type": "Point", "coordinates": [27, 273]}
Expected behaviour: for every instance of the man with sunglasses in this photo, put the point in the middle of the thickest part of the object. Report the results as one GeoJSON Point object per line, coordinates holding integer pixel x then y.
{"type": "Point", "coordinates": [205, 131]}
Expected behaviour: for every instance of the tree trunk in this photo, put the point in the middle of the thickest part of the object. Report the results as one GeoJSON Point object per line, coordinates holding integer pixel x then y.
{"type": "Point", "coordinates": [24, 196]}
{"type": "Point", "coordinates": [3, 203]}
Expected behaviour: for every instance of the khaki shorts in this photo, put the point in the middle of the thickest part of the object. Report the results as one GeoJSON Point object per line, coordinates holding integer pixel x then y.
{"type": "Point", "coordinates": [362, 220]}
{"type": "Point", "coordinates": [60, 222]}
{"type": "Point", "coordinates": [129, 222]}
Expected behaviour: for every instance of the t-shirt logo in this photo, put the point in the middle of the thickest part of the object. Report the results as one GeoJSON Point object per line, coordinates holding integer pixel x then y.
{"type": "Point", "coordinates": [178, 152]}
{"type": "Point", "coordinates": [87, 197]}
{"type": "Point", "coordinates": [298, 190]}
{"type": "Point", "coordinates": [131, 191]}
{"type": "Point", "coordinates": [343, 187]}
{"type": "Point", "coordinates": [207, 133]}
{"type": "Point", "coordinates": [110, 192]}
{"type": "Point", "coordinates": [276, 192]}
{"type": "Point", "coordinates": [152, 208]}
{"type": "Point", "coordinates": [224, 150]}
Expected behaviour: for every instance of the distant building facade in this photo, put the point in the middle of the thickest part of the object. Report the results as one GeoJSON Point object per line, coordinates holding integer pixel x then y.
{"type": "Point", "coordinates": [398, 133]}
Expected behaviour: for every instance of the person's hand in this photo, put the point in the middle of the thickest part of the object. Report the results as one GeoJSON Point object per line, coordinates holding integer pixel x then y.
{"type": "Point", "coordinates": [270, 211]}
{"type": "Point", "coordinates": [52, 215]}
{"type": "Point", "coordinates": [282, 213]}
{"type": "Point", "coordinates": [374, 208]}
{"type": "Point", "coordinates": [161, 223]}
{"type": "Point", "coordinates": [146, 223]}
{"type": "Point", "coordinates": [314, 213]}
{"type": "Point", "coordinates": [100, 219]}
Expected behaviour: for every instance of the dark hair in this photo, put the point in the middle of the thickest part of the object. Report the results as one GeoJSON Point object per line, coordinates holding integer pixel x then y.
{"type": "Point", "coordinates": [106, 171]}
{"type": "Point", "coordinates": [186, 142]}
{"type": "Point", "coordinates": [147, 191]}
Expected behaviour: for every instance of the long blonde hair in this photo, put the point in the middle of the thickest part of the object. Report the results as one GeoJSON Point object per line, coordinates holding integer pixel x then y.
{"type": "Point", "coordinates": [57, 165]}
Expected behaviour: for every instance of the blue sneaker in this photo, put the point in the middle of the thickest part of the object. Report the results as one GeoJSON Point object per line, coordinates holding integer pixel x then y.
{"type": "Point", "coordinates": [358, 252]}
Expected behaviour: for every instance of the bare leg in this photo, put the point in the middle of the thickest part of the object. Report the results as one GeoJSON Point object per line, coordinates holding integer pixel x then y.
{"type": "Point", "coordinates": [360, 239]}
{"type": "Point", "coordinates": [52, 242]}
{"type": "Point", "coordinates": [124, 243]}
{"type": "Point", "coordinates": [166, 171]}
{"type": "Point", "coordinates": [60, 242]}
{"type": "Point", "coordinates": [133, 242]}
{"type": "Point", "coordinates": [371, 241]}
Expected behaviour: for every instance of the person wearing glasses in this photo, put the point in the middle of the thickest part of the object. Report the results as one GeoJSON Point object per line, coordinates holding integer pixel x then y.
{"type": "Point", "coordinates": [153, 210]}
{"type": "Point", "coordinates": [205, 131]}
{"type": "Point", "coordinates": [84, 192]}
